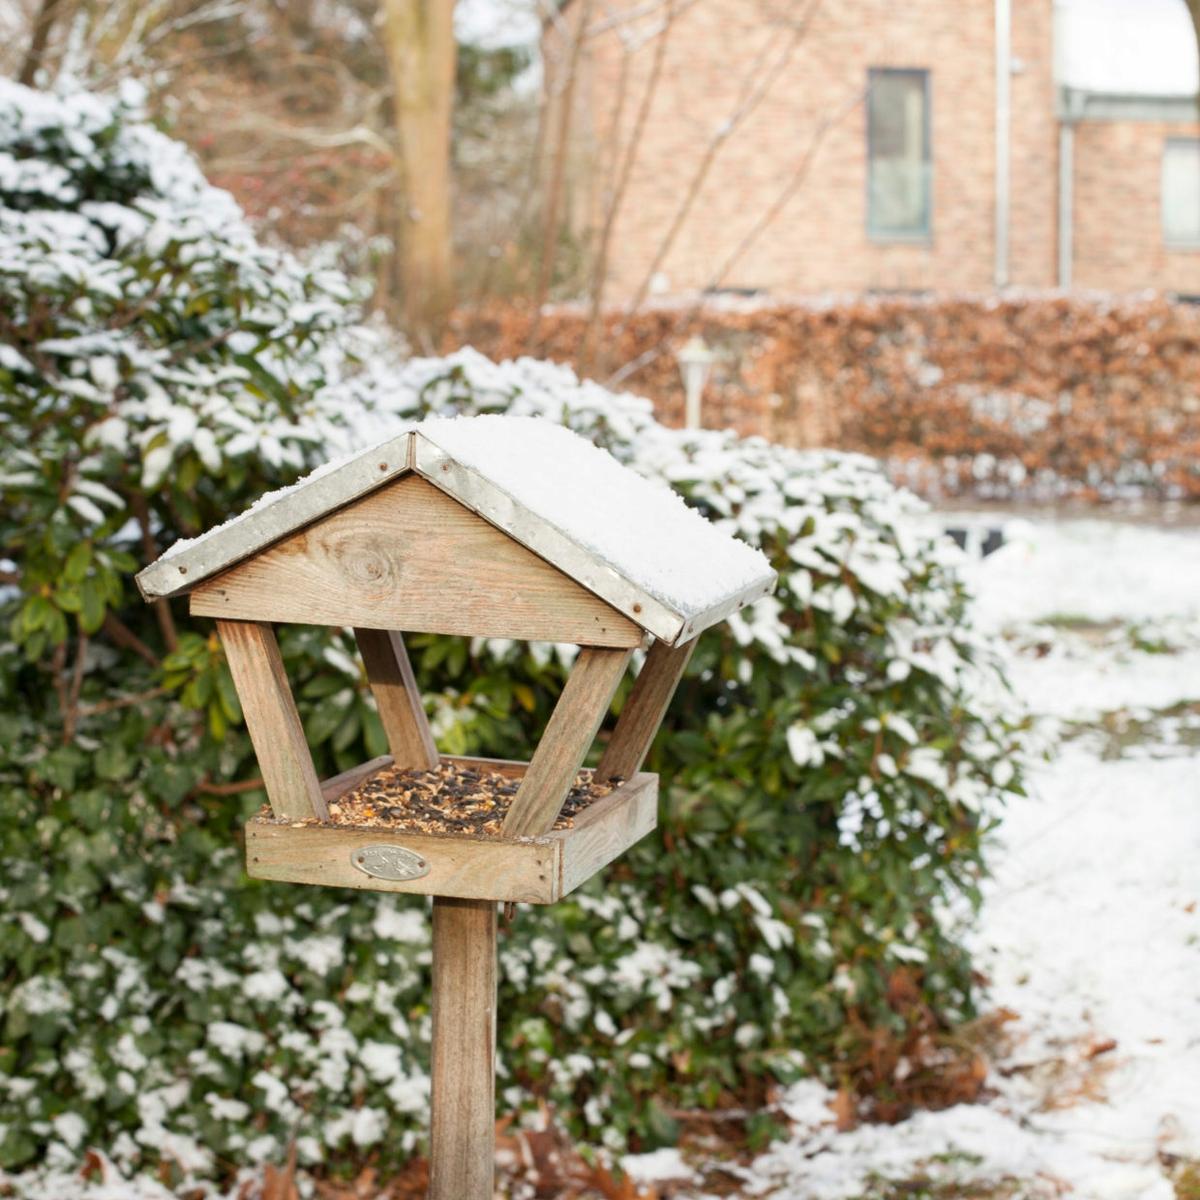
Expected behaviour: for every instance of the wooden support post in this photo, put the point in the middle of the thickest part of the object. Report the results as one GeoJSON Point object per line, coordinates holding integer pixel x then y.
{"type": "Point", "coordinates": [399, 699]}
{"type": "Point", "coordinates": [644, 710]}
{"type": "Point", "coordinates": [569, 735]}
{"type": "Point", "coordinates": [271, 718]}
{"type": "Point", "coordinates": [463, 1126]}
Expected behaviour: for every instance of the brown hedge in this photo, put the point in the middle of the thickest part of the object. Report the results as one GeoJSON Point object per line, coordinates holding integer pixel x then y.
{"type": "Point", "coordinates": [1037, 397]}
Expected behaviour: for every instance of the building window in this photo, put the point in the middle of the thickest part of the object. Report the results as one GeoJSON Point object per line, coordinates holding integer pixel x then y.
{"type": "Point", "coordinates": [1181, 192]}
{"type": "Point", "coordinates": [899, 177]}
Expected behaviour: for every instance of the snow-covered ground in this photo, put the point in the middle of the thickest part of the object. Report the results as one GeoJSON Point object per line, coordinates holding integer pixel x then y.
{"type": "Point", "coordinates": [1090, 931]}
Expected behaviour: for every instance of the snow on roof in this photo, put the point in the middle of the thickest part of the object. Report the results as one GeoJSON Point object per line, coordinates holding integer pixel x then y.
{"type": "Point", "coordinates": [1126, 47]}
{"type": "Point", "coordinates": [631, 540]}
{"type": "Point", "coordinates": [641, 527]}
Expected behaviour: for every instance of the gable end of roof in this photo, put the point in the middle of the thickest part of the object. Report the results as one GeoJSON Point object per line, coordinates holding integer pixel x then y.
{"type": "Point", "coordinates": [277, 514]}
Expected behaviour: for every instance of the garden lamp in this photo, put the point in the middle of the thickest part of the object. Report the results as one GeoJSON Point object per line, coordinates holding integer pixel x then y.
{"type": "Point", "coordinates": [695, 361]}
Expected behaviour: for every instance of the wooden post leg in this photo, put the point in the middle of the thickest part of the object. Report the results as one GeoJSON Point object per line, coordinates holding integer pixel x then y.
{"type": "Point", "coordinates": [463, 1127]}
{"type": "Point", "coordinates": [271, 718]}
{"type": "Point", "coordinates": [644, 710]}
{"type": "Point", "coordinates": [572, 729]}
{"type": "Point", "coordinates": [401, 712]}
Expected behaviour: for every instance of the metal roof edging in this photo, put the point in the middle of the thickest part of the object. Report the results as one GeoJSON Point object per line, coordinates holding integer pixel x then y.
{"type": "Point", "coordinates": [254, 530]}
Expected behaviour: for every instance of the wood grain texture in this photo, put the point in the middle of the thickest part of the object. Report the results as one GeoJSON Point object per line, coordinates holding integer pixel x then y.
{"type": "Point", "coordinates": [569, 735]}
{"type": "Point", "coordinates": [463, 1125]}
{"type": "Point", "coordinates": [470, 868]}
{"type": "Point", "coordinates": [337, 786]}
{"type": "Point", "coordinates": [604, 834]}
{"type": "Point", "coordinates": [275, 517]}
{"type": "Point", "coordinates": [644, 710]}
{"type": "Point", "coordinates": [272, 721]}
{"type": "Point", "coordinates": [398, 698]}
{"type": "Point", "coordinates": [410, 557]}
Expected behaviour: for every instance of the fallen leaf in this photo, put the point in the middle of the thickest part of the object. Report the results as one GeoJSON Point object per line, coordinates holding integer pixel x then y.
{"type": "Point", "coordinates": [93, 1166]}
{"type": "Point", "coordinates": [280, 1184]}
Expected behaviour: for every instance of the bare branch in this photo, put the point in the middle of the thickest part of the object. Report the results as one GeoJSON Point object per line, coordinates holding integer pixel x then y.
{"type": "Point", "coordinates": [228, 789]}
{"type": "Point", "coordinates": [58, 665]}
{"type": "Point", "coordinates": [118, 702]}
{"type": "Point", "coordinates": [71, 715]}
{"type": "Point", "coordinates": [600, 270]}
{"type": "Point", "coordinates": [621, 20]}
{"type": "Point", "coordinates": [760, 226]}
{"type": "Point", "coordinates": [360, 135]}
{"type": "Point", "coordinates": [636, 364]}
{"type": "Point", "coordinates": [203, 14]}
{"type": "Point", "coordinates": [162, 608]}
{"type": "Point", "coordinates": [47, 15]}
{"type": "Point", "coordinates": [524, 201]}
{"type": "Point", "coordinates": [759, 81]}
{"type": "Point", "coordinates": [558, 167]}
{"type": "Point", "coordinates": [124, 637]}
{"type": "Point", "coordinates": [786, 193]}
{"type": "Point", "coordinates": [168, 66]}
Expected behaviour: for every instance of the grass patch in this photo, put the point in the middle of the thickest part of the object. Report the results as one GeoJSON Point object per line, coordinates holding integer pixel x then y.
{"type": "Point", "coordinates": [1069, 630]}
{"type": "Point", "coordinates": [1185, 1176]}
{"type": "Point", "coordinates": [1176, 729]}
{"type": "Point", "coordinates": [923, 1186]}
{"type": "Point", "coordinates": [927, 1187]}
{"type": "Point", "coordinates": [1150, 639]}
{"type": "Point", "coordinates": [1077, 623]}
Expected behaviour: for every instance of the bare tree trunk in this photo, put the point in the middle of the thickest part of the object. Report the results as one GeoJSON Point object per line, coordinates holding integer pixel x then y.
{"type": "Point", "coordinates": [43, 23]}
{"type": "Point", "coordinates": [421, 53]}
{"type": "Point", "coordinates": [554, 190]}
{"type": "Point", "coordinates": [1193, 7]}
{"type": "Point", "coordinates": [300, 21]}
{"type": "Point", "coordinates": [617, 195]}
{"type": "Point", "coordinates": [533, 177]}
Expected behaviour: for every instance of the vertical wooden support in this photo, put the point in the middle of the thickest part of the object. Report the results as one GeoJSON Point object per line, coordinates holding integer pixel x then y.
{"type": "Point", "coordinates": [283, 756]}
{"type": "Point", "coordinates": [462, 1134]}
{"type": "Point", "coordinates": [399, 700]}
{"type": "Point", "coordinates": [569, 735]}
{"type": "Point", "coordinates": [463, 1127]}
{"type": "Point", "coordinates": [644, 710]}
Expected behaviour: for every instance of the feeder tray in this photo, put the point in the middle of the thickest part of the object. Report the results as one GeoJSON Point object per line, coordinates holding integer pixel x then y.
{"type": "Point", "coordinates": [390, 854]}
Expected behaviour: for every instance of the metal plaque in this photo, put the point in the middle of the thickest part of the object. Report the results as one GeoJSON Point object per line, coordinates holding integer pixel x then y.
{"type": "Point", "coordinates": [395, 863]}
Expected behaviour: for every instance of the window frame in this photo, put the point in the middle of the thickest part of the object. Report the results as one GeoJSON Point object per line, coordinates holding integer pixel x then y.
{"type": "Point", "coordinates": [1169, 242]}
{"type": "Point", "coordinates": [883, 236]}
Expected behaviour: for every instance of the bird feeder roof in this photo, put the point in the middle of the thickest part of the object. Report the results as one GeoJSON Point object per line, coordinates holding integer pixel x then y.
{"type": "Point", "coordinates": [627, 539]}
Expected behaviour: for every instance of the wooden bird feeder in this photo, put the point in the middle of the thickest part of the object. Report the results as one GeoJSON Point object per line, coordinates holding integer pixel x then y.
{"type": "Point", "coordinates": [498, 527]}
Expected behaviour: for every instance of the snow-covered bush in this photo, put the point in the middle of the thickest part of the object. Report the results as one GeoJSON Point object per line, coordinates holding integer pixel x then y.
{"type": "Point", "coordinates": [828, 768]}
{"type": "Point", "coordinates": [148, 344]}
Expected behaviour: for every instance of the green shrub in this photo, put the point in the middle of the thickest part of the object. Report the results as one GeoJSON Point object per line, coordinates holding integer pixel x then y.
{"type": "Point", "coordinates": [828, 767]}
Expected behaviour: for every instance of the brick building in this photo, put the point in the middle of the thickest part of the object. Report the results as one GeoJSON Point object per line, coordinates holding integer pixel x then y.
{"type": "Point", "coordinates": [798, 146]}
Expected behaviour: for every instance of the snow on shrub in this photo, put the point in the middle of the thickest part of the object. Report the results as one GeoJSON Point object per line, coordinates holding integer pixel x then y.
{"type": "Point", "coordinates": [828, 767]}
